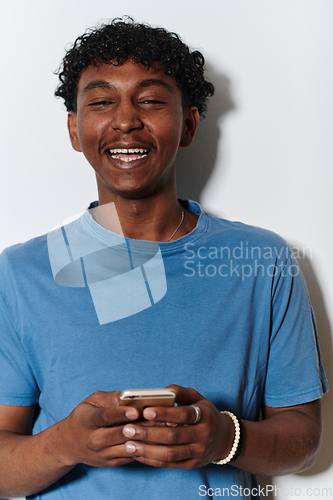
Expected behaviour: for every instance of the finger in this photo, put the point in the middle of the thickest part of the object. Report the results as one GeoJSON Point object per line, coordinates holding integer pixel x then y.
{"type": "Point", "coordinates": [161, 435]}
{"type": "Point", "coordinates": [106, 437]}
{"type": "Point", "coordinates": [107, 457]}
{"type": "Point", "coordinates": [185, 395]}
{"type": "Point", "coordinates": [162, 456]}
{"type": "Point", "coordinates": [108, 404]}
{"type": "Point", "coordinates": [117, 462]}
{"type": "Point", "coordinates": [183, 464]}
{"type": "Point", "coordinates": [151, 423]}
{"type": "Point", "coordinates": [113, 462]}
{"type": "Point", "coordinates": [105, 417]}
{"type": "Point", "coordinates": [103, 399]}
{"type": "Point", "coordinates": [185, 415]}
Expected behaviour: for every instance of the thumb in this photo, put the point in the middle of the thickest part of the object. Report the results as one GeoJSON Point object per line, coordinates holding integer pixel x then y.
{"type": "Point", "coordinates": [103, 399]}
{"type": "Point", "coordinates": [185, 395]}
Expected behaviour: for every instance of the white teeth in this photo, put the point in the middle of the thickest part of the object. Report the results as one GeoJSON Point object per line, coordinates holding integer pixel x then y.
{"type": "Point", "coordinates": [128, 151]}
{"type": "Point", "coordinates": [131, 158]}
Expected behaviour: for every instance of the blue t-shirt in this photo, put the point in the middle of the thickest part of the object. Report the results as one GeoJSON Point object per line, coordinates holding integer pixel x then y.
{"type": "Point", "coordinates": [224, 310]}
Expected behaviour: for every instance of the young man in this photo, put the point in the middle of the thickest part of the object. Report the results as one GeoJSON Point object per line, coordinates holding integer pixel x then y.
{"type": "Point", "coordinates": [124, 298]}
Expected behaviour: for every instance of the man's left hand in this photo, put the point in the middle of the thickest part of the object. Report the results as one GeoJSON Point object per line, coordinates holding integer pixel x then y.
{"type": "Point", "coordinates": [180, 443]}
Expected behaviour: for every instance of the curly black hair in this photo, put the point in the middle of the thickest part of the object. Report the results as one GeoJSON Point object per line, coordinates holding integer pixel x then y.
{"type": "Point", "coordinates": [120, 40]}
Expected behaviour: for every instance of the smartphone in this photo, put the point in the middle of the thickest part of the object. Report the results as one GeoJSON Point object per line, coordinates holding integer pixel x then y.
{"type": "Point", "coordinates": [142, 398]}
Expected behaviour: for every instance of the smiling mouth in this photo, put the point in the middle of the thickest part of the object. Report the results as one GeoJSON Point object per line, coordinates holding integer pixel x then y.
{"type": "Point", "coordinates": [128, 155]}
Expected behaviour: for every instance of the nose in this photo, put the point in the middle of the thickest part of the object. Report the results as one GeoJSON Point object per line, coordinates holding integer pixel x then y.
{"type": "Point", "coordinates": [126, 117]}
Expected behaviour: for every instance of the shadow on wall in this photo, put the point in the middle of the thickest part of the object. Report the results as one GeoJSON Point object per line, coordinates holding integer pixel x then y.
{"type": "Point", "coordinates": [195, 164]}
{"type": "Point", "coordinates": [194, 167]}
{"type": "Point", "coordinates": [325, 459]}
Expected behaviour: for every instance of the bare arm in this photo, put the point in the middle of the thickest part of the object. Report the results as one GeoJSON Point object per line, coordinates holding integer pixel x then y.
{"type": "Point", "coordinates": [29, 464]}
{"type": "Point", "coordinates": [286, 441]}
{"type": "Point", "coordinates": [26, 463]}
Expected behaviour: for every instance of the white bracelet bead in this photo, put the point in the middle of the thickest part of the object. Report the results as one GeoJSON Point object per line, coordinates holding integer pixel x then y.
{"type": "Point", "coordinates": [236, 440]}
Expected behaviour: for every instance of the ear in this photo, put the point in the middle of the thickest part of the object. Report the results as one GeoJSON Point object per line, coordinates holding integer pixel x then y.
{"type": "Point", "coordinates": [72, 129]}
{"type": "Point", "coordinates": [191, 120]}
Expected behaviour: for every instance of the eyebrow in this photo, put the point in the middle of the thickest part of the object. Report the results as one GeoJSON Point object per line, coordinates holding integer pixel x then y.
{"type": "Point", "coordinates": [103, 84]}
{"type": "Point", "coordinates": [97, 84]}
{"type": "Point", "coordinates": [154, 82]}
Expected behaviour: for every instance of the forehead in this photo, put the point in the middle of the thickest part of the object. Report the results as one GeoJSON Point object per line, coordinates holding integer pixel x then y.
{"type": "Point", "coordinates": [127, 76]}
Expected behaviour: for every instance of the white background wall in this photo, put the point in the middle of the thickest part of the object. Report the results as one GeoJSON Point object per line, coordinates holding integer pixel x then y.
{"type": "Point", "coordinates": [264, 152]}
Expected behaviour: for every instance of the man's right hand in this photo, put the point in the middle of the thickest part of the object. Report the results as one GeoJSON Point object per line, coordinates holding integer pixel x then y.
{"type": "Point", "coordinates": [92, 432]}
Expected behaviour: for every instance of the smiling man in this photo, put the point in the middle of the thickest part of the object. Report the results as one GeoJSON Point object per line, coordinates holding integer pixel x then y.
{"type": "Point", "coordinates": [129, 122]}
{"type": "Point", "coordinates": [146, 290]}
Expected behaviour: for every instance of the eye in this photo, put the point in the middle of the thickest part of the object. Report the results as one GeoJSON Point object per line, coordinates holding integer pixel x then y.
{"type": "Point", "coordinates": [149, 101]}
{"type": "Point", "coordinates": [100, 103]}
{"type": "Point", "coordinates": [152, 102]}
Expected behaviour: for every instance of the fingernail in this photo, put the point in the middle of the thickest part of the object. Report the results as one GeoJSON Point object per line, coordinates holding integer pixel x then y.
{"type": "Point", "coordinates": [149, 414]}
{"type": "Point", "coordinates": [130, 447]}
{"type": "Point", "coordinates": [129, 431]}
{"type": "Point", "coordinates": [131, 413]}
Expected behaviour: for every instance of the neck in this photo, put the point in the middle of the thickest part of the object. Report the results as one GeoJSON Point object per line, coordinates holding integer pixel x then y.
{"type": "Point", "coordinates": [153, 219]}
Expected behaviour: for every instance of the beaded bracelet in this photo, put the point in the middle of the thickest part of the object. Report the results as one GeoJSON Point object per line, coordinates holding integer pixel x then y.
{"type": "Point", "coordinates": [238, 440]}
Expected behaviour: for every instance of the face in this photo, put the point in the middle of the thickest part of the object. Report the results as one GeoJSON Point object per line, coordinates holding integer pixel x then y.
{"type": "Point", "coordinates": [129, 124]}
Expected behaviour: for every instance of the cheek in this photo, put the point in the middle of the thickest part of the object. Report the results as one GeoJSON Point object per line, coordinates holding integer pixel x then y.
{"type": "Point", "coordinates": [91, 131]}
{"type": "Point", "coordinates": [174, 128]}
{"type": "Point", "coordinates": [168, 133]}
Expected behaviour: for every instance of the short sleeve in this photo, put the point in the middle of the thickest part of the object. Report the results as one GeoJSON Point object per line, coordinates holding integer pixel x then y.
{"type": "Point", "coordinates": [295, 374]}
{"type": "Point", "coordinates": [17, 383]}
